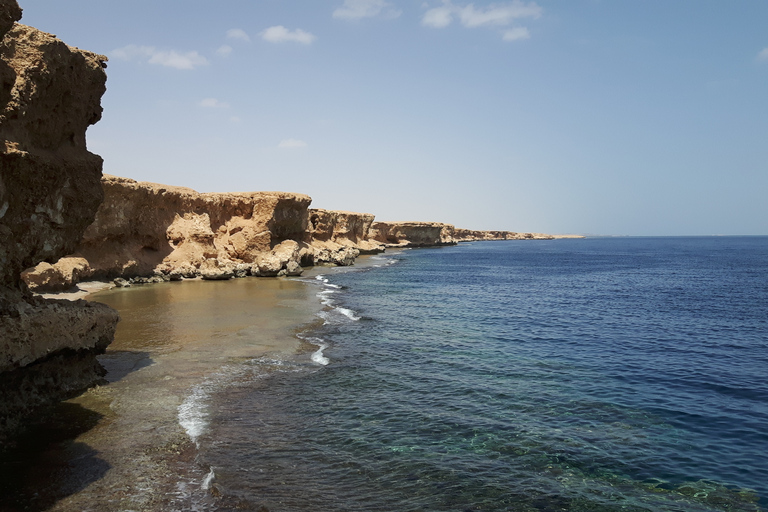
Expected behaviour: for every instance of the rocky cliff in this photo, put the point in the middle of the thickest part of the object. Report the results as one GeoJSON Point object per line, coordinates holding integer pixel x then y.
{"type": "Point", "coordinates": [412, 234]}
{"type": "Point", "coordinates": [146, 231]}
{"type": "Point", "coordinates": [49, 192]}
{"type": "Point", "coordinates": [339, 231]}
{"type": "Point", "coordinates": [145, 228]}
{"type": "Point", "coordinates": [468, 235]}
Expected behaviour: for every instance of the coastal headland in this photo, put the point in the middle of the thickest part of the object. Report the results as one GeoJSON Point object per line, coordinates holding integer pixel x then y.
{"type": "Point", "coordinates": [147, 232]}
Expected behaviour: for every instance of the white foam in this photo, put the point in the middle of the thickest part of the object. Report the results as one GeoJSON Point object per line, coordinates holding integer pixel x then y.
{"type": "Point", "coordinates": [348, 313]}
{"type": "Point", "coordinates": [193, 416]}
{"type": "Point", "coordinates": [318, 356]}
{"type": "Point", "coordinates": [207, 480]}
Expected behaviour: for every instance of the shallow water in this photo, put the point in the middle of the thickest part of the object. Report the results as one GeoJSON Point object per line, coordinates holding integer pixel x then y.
{"type": "Point", "coordinates": [131, 444]}
{"type": "Point", "coordinates": [599, 374]}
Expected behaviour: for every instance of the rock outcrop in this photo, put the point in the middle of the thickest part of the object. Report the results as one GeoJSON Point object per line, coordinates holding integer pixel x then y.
{"type": "Point", "coordinates": [468, 235]}
{"type": "Point", "coordinates": [49, 192]}
{"type": "Point", "coordinates": [412, 234]}
{"type": "Point", "coordinates": [145, 228]}
{"type": "Point", "coordinates": [339, 237]}
{"type": "Point", "coordinates": [148, 232]}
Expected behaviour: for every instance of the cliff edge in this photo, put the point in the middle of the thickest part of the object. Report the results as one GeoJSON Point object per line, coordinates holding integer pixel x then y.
{"type": "Point", "coordinates": [49, 192]}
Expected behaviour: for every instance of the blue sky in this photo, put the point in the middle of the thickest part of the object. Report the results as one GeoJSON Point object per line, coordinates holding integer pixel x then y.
{"type": "Point", "coordinates": [580, 116]}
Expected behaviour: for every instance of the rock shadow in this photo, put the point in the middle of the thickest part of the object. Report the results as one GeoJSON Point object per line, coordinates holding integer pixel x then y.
{"type": "Point", "coordinates": [119, 363]}
{"type": "Point", "coordinates": [46, 464]}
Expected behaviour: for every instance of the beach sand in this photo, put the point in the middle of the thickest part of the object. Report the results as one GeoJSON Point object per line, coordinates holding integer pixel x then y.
{"type": "Point", "coordinates": [130, 444]}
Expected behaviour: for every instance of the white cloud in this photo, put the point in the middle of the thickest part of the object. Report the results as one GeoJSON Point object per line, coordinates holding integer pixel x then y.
{"type": "Point", "coordinates": [213, 103]}
{"type": "Point", "coordinates": [498, 14]}
{"type": "Point", "coordinates": [132, 51]}
{"type": "Point", "coordinates": [438, 17]}
{"type": "Point", "coordinates": [280, 34]}
{"type": "Point", "coordinates": [502, 14]}
{"type": "Point", "coordinates": [763, 55]}
{"type": "Point", "coordinates": [291, 144]}
{"type": "Point", "coordinates": [238, 34]}
{"type": "Point", "coordinates": [224, 50]}
{"type": "Point", "coordinates": [173, 59]}
{"type": "Point", "coordinates": [516, 34]}
{"type": "Point", "coordinates": [167, 58]}
{"type": "Point", "coordinates": [357, 9]}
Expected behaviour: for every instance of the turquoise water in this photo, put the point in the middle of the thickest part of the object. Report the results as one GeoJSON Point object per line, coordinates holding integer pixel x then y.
{"type": "Point", "coordinates": [597, 374]}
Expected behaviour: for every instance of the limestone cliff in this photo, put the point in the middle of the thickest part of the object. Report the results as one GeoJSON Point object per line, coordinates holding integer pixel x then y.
{"type": "Point", "coordinates": [163, 232]}
{"type": "Point", "coordinates": [145, 228]}
{"type": "Point", "coordinates": [49, 192]}
{"type": "Point", "coordinates": [412, 234]}
{"type": "Point", "coordinates": [468, 235]}
{"type": "Point", "coordinates": [149, 232]}
{"type": "Point", "coordinates": [341, 235]}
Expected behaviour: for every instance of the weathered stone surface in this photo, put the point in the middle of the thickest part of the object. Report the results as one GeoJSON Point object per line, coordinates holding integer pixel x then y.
{"type": "Point", "coordinates": [333, 233]}
{"type": "Point", "coordinates": [61, 276]}
{"type": "Point", "coordinates": [10, 12]}
{"type": "Point", "coordinates": [54, 97]}
{"type": "Point", "coordinates": [468, 235]}
{"type": "Point", "coordinates": [412, 234]}
{"type": "Point", "coordinates": [144, 227]}
{"type": "Point", "coordinates": [49, 192]}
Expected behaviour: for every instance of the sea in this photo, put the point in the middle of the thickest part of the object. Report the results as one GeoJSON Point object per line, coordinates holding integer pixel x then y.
{"type": "Point", "coordinates": [597, 374]}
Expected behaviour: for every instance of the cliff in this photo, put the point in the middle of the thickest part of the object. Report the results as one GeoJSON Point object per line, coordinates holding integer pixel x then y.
{"type": "Point", "coordinates": [146, 231]}
{"type": "Point", "coordinates": [412, 234]}
{"type": "Point", "coordinates": [339, 231]}
{"type": "Point", "coordinates": [468, 235]}
{"type": "Point", "coordinates": [145, 228]}
{"type": "Point", "coordinates": [49, 192]}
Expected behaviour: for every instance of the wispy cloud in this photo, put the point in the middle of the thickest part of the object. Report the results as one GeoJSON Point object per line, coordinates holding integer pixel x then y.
{"type": "Point", "coordinates": [224, 50]}
{"type": "Point", "coordinates": [238, 35]}
{"type": "Point", "coordinates": [438, 17]}
{"type": "Point", "coordinates": [357, 9]}
{"type": "Point", "coordinates": [499, 14]}
{"type": "Point", "coordinates": [494, 15]}
{"type": "Point", "coordinates": [292, 144]}
{"type": "Point", "coordinates": [213, 103]}
{"type": "Point", "coordinates": [280, 34]}
{"type": "Point", "coordinates": [515, 34]}
{"type": "Point", "coordinates": [763, 55]}
{"type": "Point", "coordinates": [167, 58]}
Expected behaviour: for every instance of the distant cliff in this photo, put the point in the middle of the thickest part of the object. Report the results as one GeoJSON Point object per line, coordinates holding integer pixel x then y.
{"type": "Point", "coordinates": [49, 193]}
{"type": "Point", "coordinates": [150, 232]}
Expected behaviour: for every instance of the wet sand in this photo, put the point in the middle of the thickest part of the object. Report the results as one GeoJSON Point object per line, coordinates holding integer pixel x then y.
{"type": "Point", "coordinates": [129, 444]}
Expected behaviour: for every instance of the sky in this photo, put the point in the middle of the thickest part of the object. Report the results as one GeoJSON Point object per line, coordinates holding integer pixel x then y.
{"type": "Point", "coordinates": [571, 116]}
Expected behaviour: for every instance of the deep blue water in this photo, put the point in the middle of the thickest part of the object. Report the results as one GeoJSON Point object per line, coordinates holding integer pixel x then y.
{"type": "Point", "coordinates": [596, 374]}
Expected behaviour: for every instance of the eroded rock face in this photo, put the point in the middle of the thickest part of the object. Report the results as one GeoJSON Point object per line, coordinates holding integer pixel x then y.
{"type": "Point", "coordinates": [338, 237]}
{"type": "Point", "coordinates": [49, 192]}
{"type": "Point", "coordinates": [145, 228]}
{"type": "Point", "coordinates": [412, 234]}
{"type": "Point", "coordinates": [469, 235]}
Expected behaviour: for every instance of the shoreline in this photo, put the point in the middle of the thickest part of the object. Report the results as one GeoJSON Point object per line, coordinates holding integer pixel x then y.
{"type": "Point", "coordinates": [128, 444]}
{"type": "Point", "coordinates": [133, 442]}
